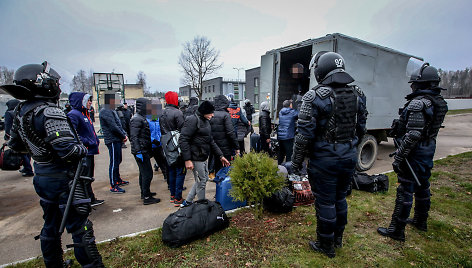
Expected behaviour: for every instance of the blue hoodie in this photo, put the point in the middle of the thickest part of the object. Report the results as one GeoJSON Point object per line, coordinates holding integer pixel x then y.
{"type": "Point", "coordinates": [155, 131]}
{"type": "Point", "coordinates": [287, 120]}
{"type": "Point", "coordinates": [82, 123]}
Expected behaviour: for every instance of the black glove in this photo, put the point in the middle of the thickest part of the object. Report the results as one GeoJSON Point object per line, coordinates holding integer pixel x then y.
{"type": "Point", "coordinates": [399, 164]}
{"type": "Point", "coordinates": [81, 151]}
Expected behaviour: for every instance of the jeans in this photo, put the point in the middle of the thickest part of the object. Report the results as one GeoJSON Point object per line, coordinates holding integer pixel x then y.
{"type": "Point", "coordinates": [176, 180]}
{"type": "Point", "coordinates": [27, 163]}
{"type": "Point", "coordinates": [53, 192]}
{"type": "Point", "coordinates": [329, 179]}
{"type": "Point", "coordinates": [161, 161]}
{"type": "Point", "coordinates": [145, 175]}
{"type": "Point", "coordinates": [200, 172]}
{"type": "Point", "coordinates": [89, 171]}
{"type": "Point", "coordinates": [114, 149]}
{"type": "Point", "coordinates": [285, 151]}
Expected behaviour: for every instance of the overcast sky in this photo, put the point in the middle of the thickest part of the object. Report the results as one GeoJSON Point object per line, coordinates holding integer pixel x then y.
{"type": "Point", "coordinates": [131, 36]}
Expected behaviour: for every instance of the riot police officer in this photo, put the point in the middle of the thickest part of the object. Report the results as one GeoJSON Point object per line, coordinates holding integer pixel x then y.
{"type": "Point", "coordinates": [41, 128]}
{"type": "Point", "coordinates": [415, 133]}
{"type": "Point", "coordinates": [331, 122]}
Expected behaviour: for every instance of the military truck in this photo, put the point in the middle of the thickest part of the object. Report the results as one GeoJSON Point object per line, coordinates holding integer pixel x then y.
{"type": "Point", "coordinates": [379, 71]}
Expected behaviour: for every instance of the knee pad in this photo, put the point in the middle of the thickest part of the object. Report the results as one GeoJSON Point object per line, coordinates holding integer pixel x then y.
{"type": "Point", "coordinates": [326, 219]}
{"type": "Point", "coordinates": [341, 212]}
{"type": "Point", "coordinates": [423, 194]}
{"type": "Point", "coordinates": [85, 240]}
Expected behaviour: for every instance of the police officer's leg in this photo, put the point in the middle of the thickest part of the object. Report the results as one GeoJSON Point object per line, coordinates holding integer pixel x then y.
{"type": "Point", "coordinates": [325, 184]}
{"type": "Point", "coordinates": [422, 200]}
{"type": "Point", "coordinates": [401, 212]}
{"type": "Point", "coordinates": [346, 170]}
{"type": "Point", "coordinates": [85, 249]}
{"type": "Point", "coordinates": [48, 190]}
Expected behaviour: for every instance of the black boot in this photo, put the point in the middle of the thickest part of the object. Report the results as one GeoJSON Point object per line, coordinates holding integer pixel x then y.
{"type": "Point", "coordinates": [396, 229]}
{"type": "Point", "coordinates": [324, 245]}
{"type": "Point", "coordinates": [419, 221]}
{"type": "Point", "coordinates": [422, 205]}
{"type": "Point", "coordinates": [338, 239]}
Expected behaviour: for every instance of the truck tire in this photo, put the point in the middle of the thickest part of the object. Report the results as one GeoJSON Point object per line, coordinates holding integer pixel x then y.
{"type": "Point", "coordinates": [366, 153]}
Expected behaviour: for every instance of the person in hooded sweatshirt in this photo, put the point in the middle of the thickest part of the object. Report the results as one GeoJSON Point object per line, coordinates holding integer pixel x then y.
{"type": "Point", "coordinates": [27, 170]}
{"type": "Point", "coordinates": [172, 119]}
{"type": "Point", "coordinates": [80, 118]}
{"type": "Point", "coordinates": [141, 148]}
{"type": "Point", "coordinates": [196, 142]}
{"type": "Point", "coordinates": [286, 131]}
{"type": "Point", "coordinates": [240, 123]}
{"type": "Point", "coordinates": [192, 107]}
{"type": "Point", "coordinates": [265, 127]}
{"type": "Point", "coordinates": [222, 131]}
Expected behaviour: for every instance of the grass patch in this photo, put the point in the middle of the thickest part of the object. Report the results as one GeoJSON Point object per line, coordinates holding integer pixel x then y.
{"type": "Point", "coordinates": [282, 240]}
{"type": "Point", "coordinates": [459, 111]}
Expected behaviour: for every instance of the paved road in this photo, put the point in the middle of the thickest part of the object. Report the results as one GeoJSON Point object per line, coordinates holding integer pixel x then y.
{"type": "Point", "coordinates": [21, 215]}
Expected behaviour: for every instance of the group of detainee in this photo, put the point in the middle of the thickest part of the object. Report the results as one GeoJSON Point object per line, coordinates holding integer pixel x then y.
{"type": "Point", "coordinates": [326, 128]}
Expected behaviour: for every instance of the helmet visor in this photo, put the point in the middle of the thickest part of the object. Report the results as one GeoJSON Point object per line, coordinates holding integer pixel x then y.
{"type": "Point", "coordinates": [413, 66]}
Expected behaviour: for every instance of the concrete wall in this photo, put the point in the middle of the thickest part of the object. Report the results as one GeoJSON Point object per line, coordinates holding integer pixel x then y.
{"type": "Point", "coordinates": [456, 104]}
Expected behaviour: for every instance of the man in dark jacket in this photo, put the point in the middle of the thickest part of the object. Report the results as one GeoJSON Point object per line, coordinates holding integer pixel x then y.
{"type": "Point", "coordinates": [172, 119]}
{"type": "Point", "coordinates": [80, 119]}
{"type": "Point", "coordinates": [141, 148]}
{"type": "Point", "coordinates": [27, 170]}
{"type": "Point", "coordinates": [286, 131]}
{"type": "Point", "coordinates": [265, 126]}
{"type": "Point", "coordinates": [196, 142]}
{"type": "Point", "coordinates": [222, 130]}
{"type": "Point", "coordinates": [192, 107]}
{"type": "Point", "coordinates": [114, 136]}
{"type": "Point", "coordinates": [249, 108]}
{"type": "Point", "coordinates": [240, 123]}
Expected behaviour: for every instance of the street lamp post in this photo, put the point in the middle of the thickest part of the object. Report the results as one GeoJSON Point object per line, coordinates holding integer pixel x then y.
{"type": "Point", "coordinates": [239, 89]}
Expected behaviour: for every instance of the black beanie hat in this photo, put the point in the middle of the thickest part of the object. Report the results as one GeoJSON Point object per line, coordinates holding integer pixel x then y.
{"type": "Point", "coordinates": [206, 108]}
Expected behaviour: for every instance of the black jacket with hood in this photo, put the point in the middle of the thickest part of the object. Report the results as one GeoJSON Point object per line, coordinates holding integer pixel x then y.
{"type": "Point", "coordinates": [171, 119]}
{"type": "Point", "coordinates": [140, 134]}
{"type": "Point", "coordinates": [192, 107]}
{"type": "Point", "coordinates": [9, 116]}
{"type": "Point", "coordinates": [196, 140]}
{"type": "Point", "coordinates": [222, 128]}
{"type": "Point", "coordinates": [265, 126]}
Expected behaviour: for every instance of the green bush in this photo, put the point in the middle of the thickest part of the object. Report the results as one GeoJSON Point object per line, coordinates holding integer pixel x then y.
{"type": "Point", "coordinates": [254, 177]}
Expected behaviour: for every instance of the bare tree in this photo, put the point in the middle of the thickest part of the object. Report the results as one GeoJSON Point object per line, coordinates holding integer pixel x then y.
{"type": "Point", "coordinates": [82, 82]}
{"type": "Point", "coordinates": [198, 59]}
{"type": "Point", "coordinates": [6, 75]}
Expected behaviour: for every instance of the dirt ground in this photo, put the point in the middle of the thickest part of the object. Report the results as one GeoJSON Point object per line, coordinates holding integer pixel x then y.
{"type": "Point", "coordinates": [123, 214]}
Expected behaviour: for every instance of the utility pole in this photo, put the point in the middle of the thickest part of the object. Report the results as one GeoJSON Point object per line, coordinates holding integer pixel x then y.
{"type": "Point", "coordinates": [239, 89]}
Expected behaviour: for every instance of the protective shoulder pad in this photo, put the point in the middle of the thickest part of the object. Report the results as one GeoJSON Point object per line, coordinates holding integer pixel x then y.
{"type": "Point", "coordinates": [54, 112]}
{"type": "Point", "coordinates": [427, 102]}
{"type": "Point", "coordinates": [324, 92]}
{"type": "Point", "coordinates": [309, 96]}
{"type": "Point", "coordinates": [358, 90]}
{"type": "Point", "coordinates": [415, 105]}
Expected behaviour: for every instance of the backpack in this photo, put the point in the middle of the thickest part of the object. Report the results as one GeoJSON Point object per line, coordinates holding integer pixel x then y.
{"type": "Point", "coordinates": [197, 220]}
{"type": "Point", "coordinates": [280, 202]}
{"type": "Point", "coordinates": [171, 147]}
{"type": "Point", "coordinates": [9, 159]}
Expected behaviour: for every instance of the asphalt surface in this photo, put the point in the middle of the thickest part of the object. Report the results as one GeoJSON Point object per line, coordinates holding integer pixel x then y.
{"type": "Point", "coordinates": [123, 214]}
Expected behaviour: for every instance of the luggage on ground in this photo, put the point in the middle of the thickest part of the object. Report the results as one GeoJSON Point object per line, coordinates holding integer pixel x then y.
{"type": "Point", "coordinates": [370, 183]}
{"type": "Point", "coordinates": [301, 189]}
{"type": "Point", "coordinates": [280, 202]}
{"type": "Point", "coordinates": [197, 220]}
{"type": "Point", "coordinates": [222, 191]}
{"type": "Point", "coordinates": [9, 159]}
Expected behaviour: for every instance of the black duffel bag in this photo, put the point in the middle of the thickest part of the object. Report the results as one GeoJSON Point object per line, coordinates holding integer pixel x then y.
{"type": "Point", "coordinates": [197, 220]}
{"type": "Point", "coordinates": [280, 202]}
{"type": "Point", "coordinates": [9, 159]}
{"type": "Point", "coordinates": [370, 183]}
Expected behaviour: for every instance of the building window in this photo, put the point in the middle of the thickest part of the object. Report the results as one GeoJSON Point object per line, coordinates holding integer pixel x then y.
{"type": "Point", "coordinates": [256, 81]}
{"type": "Point", "coordinates": [256, 98]}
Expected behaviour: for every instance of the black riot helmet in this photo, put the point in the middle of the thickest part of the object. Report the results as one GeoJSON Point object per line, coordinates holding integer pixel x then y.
{"type": "Point", "coordinates": [426, 73]}
{"type": "Point", "coordinates": [34, 81]}
{"type": "Point", "coordinates": [327, 64]}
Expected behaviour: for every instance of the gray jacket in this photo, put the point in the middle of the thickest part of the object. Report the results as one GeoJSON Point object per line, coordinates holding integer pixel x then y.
{"type": "Point", "coordinates": [111, 126]}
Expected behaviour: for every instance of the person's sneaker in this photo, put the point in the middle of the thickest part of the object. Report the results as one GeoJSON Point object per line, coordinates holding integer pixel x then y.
{"type": "Point", "coordinates": [27, 174]}
{"type": "Point", "coordinates": [172, 199]}
{"type": "Point", "coordinates": [151, 200]}
{"type": "Point", "coordinates": [151, 193]}
{"type": "Point", "coordinates": [21, 170]}
{"type": "Point", "coordinates": [97, 202]}
{"type": "Point", "coordinates": [177, 203]}
{"type": "Point", "coordinates": [117, 190]}
{"type": "Point", "coordinates": [122, 183]}
{"type": "Point", "coordinates": [211, 176]}
{"type": "Point", "coordinates": [124, 146]}
{"type": "Point", "coordinates": [184, 188]}
{"type": "Point", "coordinates": [185, 204]}
{"type": "Point", "coordinates": [156, 167]}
